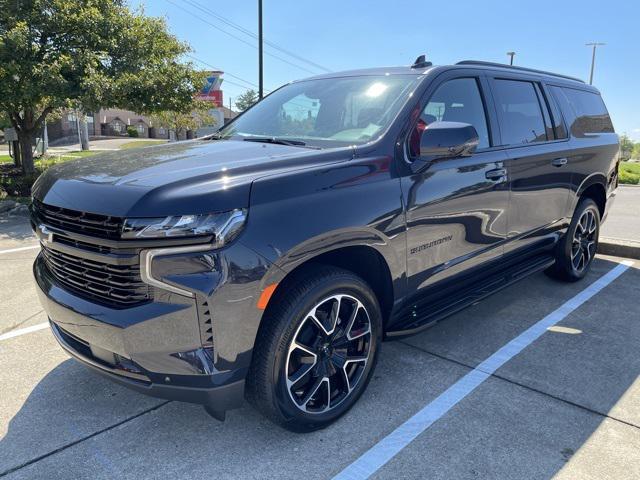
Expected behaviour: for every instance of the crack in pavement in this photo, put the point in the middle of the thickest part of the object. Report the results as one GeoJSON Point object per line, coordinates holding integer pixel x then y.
{"type": "Point", "coordinates": [80, 440]}
{"type": "Point", "coordinates": [527, 387]}
{"type": "Point", "coordinates": [22, 322]}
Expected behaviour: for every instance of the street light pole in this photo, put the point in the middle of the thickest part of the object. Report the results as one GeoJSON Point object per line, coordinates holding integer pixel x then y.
{"type": "Point", "coordinates": [594, 45]}
{"type": "Point", "coordinates": [260, 73]}
{"type": "Point", "coordinates": [511, 55]}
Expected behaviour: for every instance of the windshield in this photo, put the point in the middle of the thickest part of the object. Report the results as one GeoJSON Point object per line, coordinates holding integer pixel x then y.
{"type": "Point", "coordinates": [326, 112]}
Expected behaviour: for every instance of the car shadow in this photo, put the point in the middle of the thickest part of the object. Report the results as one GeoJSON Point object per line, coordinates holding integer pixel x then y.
{"type": "Point", "coordinates": [82, 425]}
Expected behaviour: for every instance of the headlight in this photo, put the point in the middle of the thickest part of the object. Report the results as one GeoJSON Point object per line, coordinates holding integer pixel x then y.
{"type": "Point", "coordinates": [223, 226]}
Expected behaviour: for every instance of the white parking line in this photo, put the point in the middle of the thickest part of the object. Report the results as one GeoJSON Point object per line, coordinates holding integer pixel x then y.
{"type": "Point", "coordinates": [11, 250]}
{"type": "Point", "coordinates": [23, 331]}
{"type": "Point", "coordinates": [374, 458]}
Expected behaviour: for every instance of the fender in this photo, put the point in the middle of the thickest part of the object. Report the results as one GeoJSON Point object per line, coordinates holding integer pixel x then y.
{"type": "Point", "coordinates": [593, 179]}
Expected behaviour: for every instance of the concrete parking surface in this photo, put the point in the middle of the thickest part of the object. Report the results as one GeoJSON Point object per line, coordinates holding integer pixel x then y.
{"type": "Point", "coordinates": [624, 221]}
{"type": "Point", "coordinates": [567, 406]}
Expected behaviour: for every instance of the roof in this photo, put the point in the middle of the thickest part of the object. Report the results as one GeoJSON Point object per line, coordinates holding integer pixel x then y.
{"type": "Point", "coordinates": [408, 70]}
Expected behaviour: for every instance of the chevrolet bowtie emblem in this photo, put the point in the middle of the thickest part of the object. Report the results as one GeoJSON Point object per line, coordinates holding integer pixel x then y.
{"type": "Point", "coordinates": [46, 235]}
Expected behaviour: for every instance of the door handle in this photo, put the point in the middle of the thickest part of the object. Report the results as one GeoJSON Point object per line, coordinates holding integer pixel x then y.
{"type": "Point", "coordinates": [558, 162]}
{"type": "Point", "coordinates": [496, 174]}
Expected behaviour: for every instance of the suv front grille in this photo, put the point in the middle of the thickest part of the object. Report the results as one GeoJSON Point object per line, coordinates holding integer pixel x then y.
{"type": "Point", "coordinates": [91, 224]}
{"type": "Point", "coordinates": [115, 285]}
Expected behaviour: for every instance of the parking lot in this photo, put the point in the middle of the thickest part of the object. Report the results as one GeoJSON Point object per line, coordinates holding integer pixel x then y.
{"type": "Point", "coordinates": [566, 406]}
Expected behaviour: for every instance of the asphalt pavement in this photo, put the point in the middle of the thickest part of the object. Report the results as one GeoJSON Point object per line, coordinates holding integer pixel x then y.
{"type": "Point", "coordinates": [565, 405]}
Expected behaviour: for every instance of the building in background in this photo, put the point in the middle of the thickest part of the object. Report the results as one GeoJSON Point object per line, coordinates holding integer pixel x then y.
{"type": "Point", "coordinates": [112, 122]}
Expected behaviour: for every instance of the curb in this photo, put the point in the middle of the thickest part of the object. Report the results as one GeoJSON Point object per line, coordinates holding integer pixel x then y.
{"type": "Point", "coordinates": [619, 248]}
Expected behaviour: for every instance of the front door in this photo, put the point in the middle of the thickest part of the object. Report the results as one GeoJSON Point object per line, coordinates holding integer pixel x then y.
{"type": "Point", "coordinates": [456, 209]}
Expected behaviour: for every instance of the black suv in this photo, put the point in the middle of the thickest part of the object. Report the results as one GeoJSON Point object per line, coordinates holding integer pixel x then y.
{"type": "Point", "coordinates": [268, 261]}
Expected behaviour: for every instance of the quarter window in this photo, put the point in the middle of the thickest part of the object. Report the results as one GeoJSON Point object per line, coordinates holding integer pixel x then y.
{"type": "Point", "coordinates": [520, 111]}
{"type": "Point", "coordinates": [591, 115]}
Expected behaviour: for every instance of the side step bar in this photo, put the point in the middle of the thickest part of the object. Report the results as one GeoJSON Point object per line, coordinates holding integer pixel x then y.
{"type": "Point", "coordinates": [425, 312]}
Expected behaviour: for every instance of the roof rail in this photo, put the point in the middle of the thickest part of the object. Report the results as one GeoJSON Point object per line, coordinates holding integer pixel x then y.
{"type": "Point", "coordinates": [513, 67]}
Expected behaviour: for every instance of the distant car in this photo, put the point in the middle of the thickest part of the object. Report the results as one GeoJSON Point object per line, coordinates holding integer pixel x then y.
{"type": "Point", "coordinates": [269, 261]}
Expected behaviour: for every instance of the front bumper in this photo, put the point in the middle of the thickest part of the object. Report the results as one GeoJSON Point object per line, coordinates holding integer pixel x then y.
{"type": "Point", "coordinates": [156, 348]}
{"type": "Point", "coordinates": [221, 398]}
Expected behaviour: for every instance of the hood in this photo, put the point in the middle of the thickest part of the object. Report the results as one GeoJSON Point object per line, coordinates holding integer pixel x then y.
{"type": "Point", "coordinates": [192, 177]}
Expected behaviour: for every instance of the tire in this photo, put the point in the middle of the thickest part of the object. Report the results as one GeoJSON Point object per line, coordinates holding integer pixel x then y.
{"type": "Point", "coordinates": [577, 248]}
{"type": "Point", "coordinates": [298, 376]}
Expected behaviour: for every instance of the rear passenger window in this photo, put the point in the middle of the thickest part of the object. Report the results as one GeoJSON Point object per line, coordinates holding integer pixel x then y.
{"type": "Point", "coordinates": [589, 109]}
{"type": "Point", "coordinates": [520, 111]}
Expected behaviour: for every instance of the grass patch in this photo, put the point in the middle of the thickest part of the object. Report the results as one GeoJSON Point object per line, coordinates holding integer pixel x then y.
{"type": "Point", "coordinates": [141, 143]}
{"type": "Point", "coordinates": [6, 159]}
{"type": "Point", "coordinates": [629, 173]}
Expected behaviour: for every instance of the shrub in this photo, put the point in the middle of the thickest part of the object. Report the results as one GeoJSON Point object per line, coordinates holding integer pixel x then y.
{"type": "Point", "coordinates": [629, 173]}
{"type": "Point", "coordinates": [132, 132]}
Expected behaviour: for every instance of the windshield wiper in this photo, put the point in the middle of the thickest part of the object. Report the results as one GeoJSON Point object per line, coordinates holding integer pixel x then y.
{"type": "Point", "coordinates": [276, 140]}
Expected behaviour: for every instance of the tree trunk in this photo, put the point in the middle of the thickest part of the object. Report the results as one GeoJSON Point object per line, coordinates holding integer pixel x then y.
{"type": "Point", "coordinates": [16, 153]}
{"type": "Point", "coordinates": [84, 131]}
{"type": "Point", "coordinates": [26, 137]}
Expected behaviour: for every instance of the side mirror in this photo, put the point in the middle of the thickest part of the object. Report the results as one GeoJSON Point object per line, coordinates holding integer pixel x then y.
{"type": "Point", "coordinates": [441, 140]}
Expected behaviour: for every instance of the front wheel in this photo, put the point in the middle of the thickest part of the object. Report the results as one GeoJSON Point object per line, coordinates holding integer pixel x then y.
{"type": "Point", "coordinates": [576, 250]}
{"type": "Point", "coordinates": [316, 350]}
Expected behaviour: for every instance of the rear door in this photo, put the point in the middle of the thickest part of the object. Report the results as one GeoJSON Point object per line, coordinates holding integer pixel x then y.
{"type": "Point", "coordinates": [455, 208]}
{"type": "Point", "coordinates": [538, 150]}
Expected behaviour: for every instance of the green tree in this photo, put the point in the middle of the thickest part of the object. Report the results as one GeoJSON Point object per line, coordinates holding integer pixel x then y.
{"type": "Point", "coordinates": [626, 147]}
{"type": "Point", "coordinates": [180, 121]}
{"type": "Point", "coordinates": [86, 54]}
{"type": "Point", "coordinates": [635, 153]}
{"type": "Point", "coordinates": [246, 100]}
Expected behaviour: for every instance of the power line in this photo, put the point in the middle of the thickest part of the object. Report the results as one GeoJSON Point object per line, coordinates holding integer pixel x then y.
{"type": "Point", "coordinates": [238, 38]}
{"type": "Point", "coordinates": [248, 32]}
{"type": "Point", "coordinates": [225, 72]}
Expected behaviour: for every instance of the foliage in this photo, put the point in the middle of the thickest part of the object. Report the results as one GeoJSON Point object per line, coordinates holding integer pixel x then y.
{"type": "Point", "coordinates": [629, 173]}
{"type": "Point", "coordinates": [4, 121]}
{"type": "Point", "coordinates": [246, 100]}
{"type": "Point", "coordinates": [180, 122]}
{"type": "Point", "coordinates": [626, 147]}
{"type": "Point", "coordinates": [635, 153]}
{"type": "Point", "coordinates": [132, 132]}
{"type": "Point", "coordinates": [16, 184]}
{"type": "Point", "coordinates": [87, 54]}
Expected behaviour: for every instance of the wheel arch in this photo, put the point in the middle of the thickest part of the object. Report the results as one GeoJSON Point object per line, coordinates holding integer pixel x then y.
{"type": "Point", "coordinates": [364, 260]}
{"type": "Point", "coordinates": [594, 187]}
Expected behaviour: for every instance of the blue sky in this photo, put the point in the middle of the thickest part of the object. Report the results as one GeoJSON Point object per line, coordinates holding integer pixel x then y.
{"type": "Point", "coordinates": [350, 34]}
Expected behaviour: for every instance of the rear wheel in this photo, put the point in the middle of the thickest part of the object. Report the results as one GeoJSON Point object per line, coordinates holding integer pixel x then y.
{"type": "Point", "coordinates": [578, 247]}
{"type": "Point", "coordinates": [316, 350]}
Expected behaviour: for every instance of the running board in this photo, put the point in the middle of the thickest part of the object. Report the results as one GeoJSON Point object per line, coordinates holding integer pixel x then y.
{"type": "Point", "coordinates": [427, 311]}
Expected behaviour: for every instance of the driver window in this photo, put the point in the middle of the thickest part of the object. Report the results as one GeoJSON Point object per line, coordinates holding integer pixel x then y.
{"type": "Point", "coordinates": [456, 100]}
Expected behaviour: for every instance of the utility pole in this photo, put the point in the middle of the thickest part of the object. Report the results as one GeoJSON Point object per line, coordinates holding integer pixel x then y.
{"type": "Point", "coordinates": [511, 55]}
{"type": "Point", "coordinates": [260, 73]}
{"type": "Point", "coordinates": [594, 45]}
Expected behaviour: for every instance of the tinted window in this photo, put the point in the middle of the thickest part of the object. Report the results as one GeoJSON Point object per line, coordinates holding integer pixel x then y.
{"type": "Point", "coordinates": [590, 111]}
{"type": "Point", "coordinates": [458, 100]}
{"type": "Point", "coordinates": [519, 107]}
{"type": "Point", "coordinates": [558, 125]}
